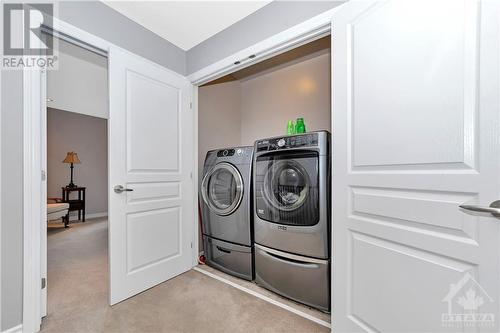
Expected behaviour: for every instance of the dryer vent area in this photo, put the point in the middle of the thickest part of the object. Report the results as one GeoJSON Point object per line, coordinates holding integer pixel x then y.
{"type": "Point", "coordinates": [258, 101]}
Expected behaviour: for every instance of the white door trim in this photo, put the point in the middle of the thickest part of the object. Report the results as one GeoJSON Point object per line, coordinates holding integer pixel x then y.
{"type": "Point", "coordinates": [32, 210]}
{"type": "Point", "coordinates": [194, 175]}
{"type": "Point", "coordinates": [32, 181]}
{"type": "Point", "coordinates": [302, 33]}
{"type": "Point", "coordinates": [0, 203]}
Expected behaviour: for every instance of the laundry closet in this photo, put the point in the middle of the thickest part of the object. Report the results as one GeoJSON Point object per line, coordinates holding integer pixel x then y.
{"type": "Point", "coordinates": [277, 238]}
{"type": "Point", "coordinates": [257, 101]}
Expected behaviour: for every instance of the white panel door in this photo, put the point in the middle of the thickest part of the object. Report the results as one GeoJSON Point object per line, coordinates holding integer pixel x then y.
{"type": "Point", "coordinates": [150, 154]}
{"type": "Point", "coordinates": [415, 134]}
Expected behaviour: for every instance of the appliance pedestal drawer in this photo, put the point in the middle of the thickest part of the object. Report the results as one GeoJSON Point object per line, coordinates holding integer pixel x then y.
{"type": "Point", "coordinates": [228, 257]}
{"type": "Point", "coordinates": [305, 280]}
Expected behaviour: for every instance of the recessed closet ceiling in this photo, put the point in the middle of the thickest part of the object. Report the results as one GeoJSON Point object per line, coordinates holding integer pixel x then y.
{"type": "Point", "coordinates": [283, 59]}
{"type": "Point", "coordinates": [186, 23]}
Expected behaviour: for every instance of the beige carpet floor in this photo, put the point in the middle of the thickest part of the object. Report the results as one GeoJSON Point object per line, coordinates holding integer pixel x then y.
{"type": "Point", "coordinates": [191, 302]}
{"type": "Point", "coordinates": [267, 293]}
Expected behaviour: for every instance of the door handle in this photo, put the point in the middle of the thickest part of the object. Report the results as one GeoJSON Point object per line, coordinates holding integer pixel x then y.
{"type": "Point", "coordinates": [120, 189]}
{"type": "Point", "coordinates": [493, 209]}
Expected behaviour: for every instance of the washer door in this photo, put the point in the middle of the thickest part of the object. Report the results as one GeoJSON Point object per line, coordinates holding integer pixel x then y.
{"type": "Point", "coordinates": [286, 185]}
{"type": "Point", "coordinates": [222, 188]}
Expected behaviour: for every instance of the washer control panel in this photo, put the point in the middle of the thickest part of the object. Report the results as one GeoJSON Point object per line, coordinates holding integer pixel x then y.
{"type": "Point", "coordinates": [287, 142]}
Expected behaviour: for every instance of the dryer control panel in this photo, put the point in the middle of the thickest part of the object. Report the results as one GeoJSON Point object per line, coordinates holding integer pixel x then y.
{"type": "Point", "coordinates": [225, 152]}
{"type": "Point", "coordinates": [287, 142]}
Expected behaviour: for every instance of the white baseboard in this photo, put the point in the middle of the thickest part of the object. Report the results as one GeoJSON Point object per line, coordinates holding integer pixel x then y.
{"type": "Point", "coordinates": [15, 329]}
{"type": "Point", "coordinates": [87, 216]}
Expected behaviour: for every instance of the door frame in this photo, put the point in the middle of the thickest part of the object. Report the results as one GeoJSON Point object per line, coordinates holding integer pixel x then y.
{"type": "Point", "coordinates": [34, 104]}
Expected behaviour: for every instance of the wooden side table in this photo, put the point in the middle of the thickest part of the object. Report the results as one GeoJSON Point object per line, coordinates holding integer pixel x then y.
{"type": "Point", "coordinates": [75, 204]}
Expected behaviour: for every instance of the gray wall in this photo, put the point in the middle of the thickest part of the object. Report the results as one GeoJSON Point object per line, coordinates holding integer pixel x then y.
{"type": "Point", "coordinates": [103, 21]}
{"type": "Point", "coordinates": [259, 106]}
{"type": "Point", "coordinates": [264, 23]}
{"type": "Point", "coordinates": [87, 136]}
{"type": "Point", "coordinates": [299, 89]}
{"type": "Point", "coordinates": [219, 118]}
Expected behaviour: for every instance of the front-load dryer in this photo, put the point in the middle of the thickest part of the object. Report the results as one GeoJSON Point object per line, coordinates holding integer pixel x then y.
{"type": "Point", "coordinates": [292, 216]}
{"type": "Point", "coordinates": [225, 206]}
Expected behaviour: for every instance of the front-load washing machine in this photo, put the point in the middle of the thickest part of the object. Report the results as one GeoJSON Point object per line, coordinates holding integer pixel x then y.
{"type": "Point", "coordinates": [226, 214]}
{"type": "Point", "coordinates": [292, 216]}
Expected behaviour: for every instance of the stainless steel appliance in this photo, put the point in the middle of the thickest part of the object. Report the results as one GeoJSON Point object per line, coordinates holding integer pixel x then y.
{"type": "Point", "coordinates": [292, 216]}
{"type": "Point", "coordinates": [226, 215]}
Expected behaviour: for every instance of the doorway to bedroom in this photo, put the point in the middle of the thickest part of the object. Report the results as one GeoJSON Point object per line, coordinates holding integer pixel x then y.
{"type": "Point", "coordinates": [76, 157]}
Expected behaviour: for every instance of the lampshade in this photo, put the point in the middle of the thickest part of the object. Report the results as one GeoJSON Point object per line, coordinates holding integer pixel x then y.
{"type": "Point", "coordinates": [72, 157]}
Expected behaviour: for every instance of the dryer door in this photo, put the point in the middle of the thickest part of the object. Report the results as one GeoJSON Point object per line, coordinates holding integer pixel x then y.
{"type": "Point", "coordinates": [222, 188]}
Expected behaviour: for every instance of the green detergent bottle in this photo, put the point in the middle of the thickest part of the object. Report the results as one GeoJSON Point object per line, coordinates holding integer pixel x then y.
{"type": "Point", "coordinates": [300, 127]}
{"type": "Point", "coordinates": [290, 128]}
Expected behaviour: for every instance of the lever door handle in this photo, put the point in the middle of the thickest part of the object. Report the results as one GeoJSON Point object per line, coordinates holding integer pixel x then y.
{"type": "Point", "coordinates": [493, 209]}
{"type": "Point", "coordinates": [120, 189]}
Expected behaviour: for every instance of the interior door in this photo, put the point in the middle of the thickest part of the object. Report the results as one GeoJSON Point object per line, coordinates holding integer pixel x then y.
{"type": "Point", "coordinates": [415, 135]}
{"type": "Point", "coordinates": [150, 162]}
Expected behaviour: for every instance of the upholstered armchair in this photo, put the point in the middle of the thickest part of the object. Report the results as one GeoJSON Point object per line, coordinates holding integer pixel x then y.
{"type": "Point", "coordinates": [56, 209]}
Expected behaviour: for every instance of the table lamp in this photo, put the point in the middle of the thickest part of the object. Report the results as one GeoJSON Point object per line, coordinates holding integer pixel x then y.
{"type": "Point", "coordinates": [71, 158]}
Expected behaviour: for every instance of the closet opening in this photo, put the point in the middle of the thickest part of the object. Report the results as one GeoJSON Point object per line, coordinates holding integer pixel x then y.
{"type": "Point", "coordinates": [264, 177]}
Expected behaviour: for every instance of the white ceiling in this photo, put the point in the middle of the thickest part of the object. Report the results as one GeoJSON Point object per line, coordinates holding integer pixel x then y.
{"type": "Point", "coordinates": [186, 23]}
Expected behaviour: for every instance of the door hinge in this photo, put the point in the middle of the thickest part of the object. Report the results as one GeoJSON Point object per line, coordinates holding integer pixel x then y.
{"type": "Point", "coordinates": [191, 244]}
{"type": "Point", "coordinates": [44, 175]}
{"type": "Point", "coordinates": [191, 175]}
{"type": "Point", "coordinates": [190, 105]}
{"type": "Point", "coordinates": [44, 283]}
